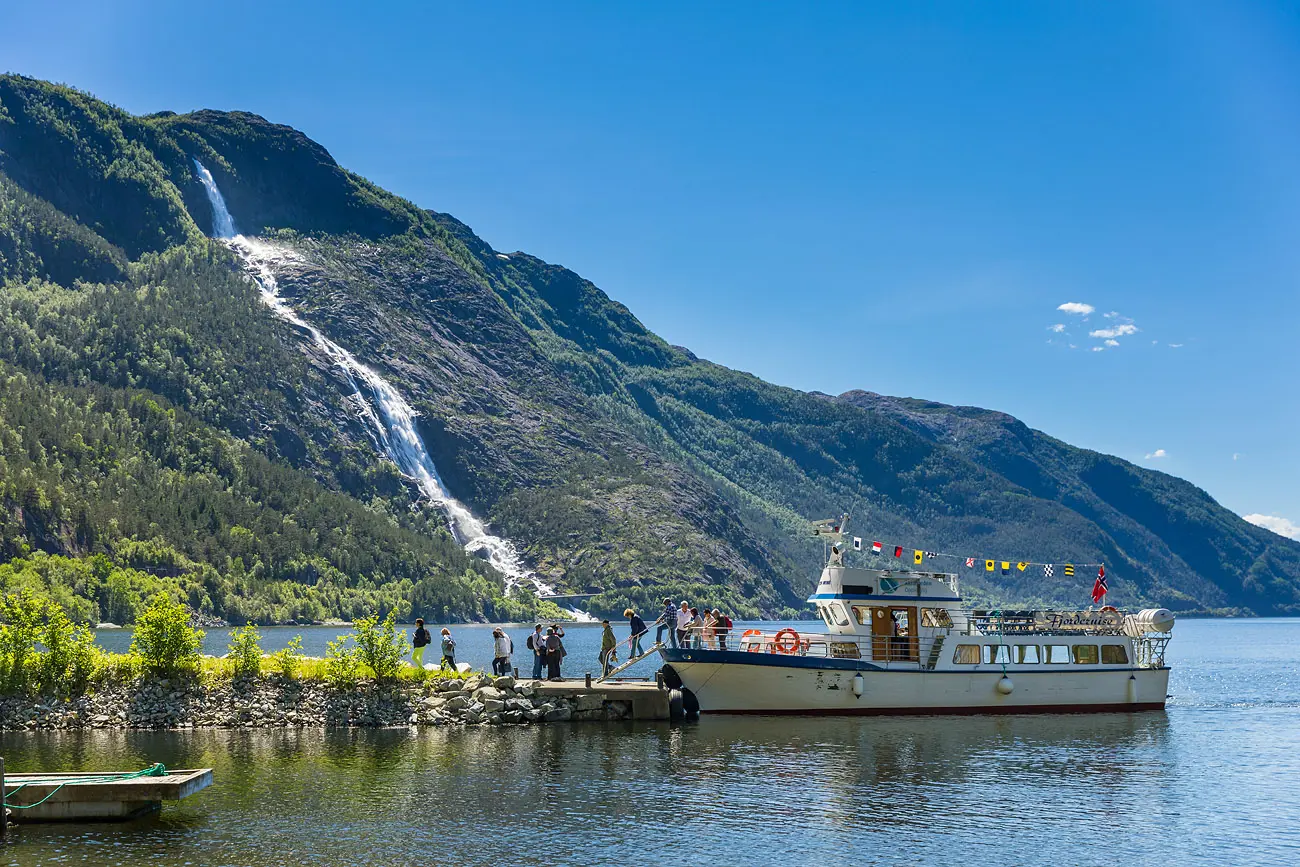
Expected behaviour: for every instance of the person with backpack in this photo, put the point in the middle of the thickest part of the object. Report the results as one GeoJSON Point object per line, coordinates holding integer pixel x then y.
{"type": "Point", "coordinates": [608, 644]}
{"type": "Point", "coordinates": [419, 641]}
{"type": "Point", "coordinates": [448, 650]}
{"type": "Point", "coordinates": [537, 644]}
{"type": "Point", "coordinates": [638, 629]}
{"type": "Point", "coordinates": [722, 628]}
{"type": "Point", "coordinates": [555, 654]}
{"type": "Point", "coordinates": [502, 648]}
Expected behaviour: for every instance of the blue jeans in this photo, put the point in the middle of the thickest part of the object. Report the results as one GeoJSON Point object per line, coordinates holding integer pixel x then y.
{"type": "Point", "coordinates": [538, 661]}
{"type": "Point", "coordinates": [634, 649]}
{"type": "Point", "coordinates": [672, 634]}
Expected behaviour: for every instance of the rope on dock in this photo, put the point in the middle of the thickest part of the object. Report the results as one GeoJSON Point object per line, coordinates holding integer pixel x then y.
{"type": "Point", "coordinates": [157, 769]}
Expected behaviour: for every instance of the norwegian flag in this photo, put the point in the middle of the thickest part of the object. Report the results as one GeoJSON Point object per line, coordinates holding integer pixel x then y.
{"type": "Point", "coordinates": [1047, 570]}
{"type": "Point", "coordinates": [875, 547]}
{"type": "Point", "coordinates": [970, 562]}
{"type": "Point", "coordinates": [1099, 586]}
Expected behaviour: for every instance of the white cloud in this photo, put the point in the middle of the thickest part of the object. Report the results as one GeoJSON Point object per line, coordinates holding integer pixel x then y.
{"type": "Point", "coordinates": [1112, 343]}
{"type": "Point", "coordinates": [1099, 349]}
{"type": "Point", "coordinates": [1057, 328]}
{"type": "Point", "coordinates": [1236, 455]}
{"type": "Point", "coordinates": [1158, 453]}
{"type": "Point", "coordinates": [1175, 346]}
{"type": "Point", "coordinates": [1077, 307]}
{"type": "Point", "coordinates": [1281, 526]}
{"type": "Point", "coordinates": [1111, 315]}
{"type": "Point", "coordinates": [1117, 331]}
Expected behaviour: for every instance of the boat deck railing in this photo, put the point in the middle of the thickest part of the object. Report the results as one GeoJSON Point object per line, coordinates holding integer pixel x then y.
{"type": "Point", "coordinates": [902, 651]}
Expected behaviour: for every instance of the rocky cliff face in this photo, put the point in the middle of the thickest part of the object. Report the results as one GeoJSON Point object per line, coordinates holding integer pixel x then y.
{"type": "Point", "coordinates": [623, 466]}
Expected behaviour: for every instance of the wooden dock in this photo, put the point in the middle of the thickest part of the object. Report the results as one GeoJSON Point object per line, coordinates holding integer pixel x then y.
{"type": "Point", "coordinates": [101, 796]}
{"type": "Point", "coordinates": [647, 699]}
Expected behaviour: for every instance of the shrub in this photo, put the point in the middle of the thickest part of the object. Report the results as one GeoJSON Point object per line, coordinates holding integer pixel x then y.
{"type": "Point", "coordinates": [245, 652]}
{"type": "Point", "coordinates": [68, 661]}
{"type": "Point", "coordinates": [288, 660]}
{"type": "Point", "coordinates": [342, 663]}
{"type": "Point", "coordinates": [381, 645]}
{"type": "Point", "coordinates": [21, 615]}
{"type": "Point", "coordinates": [164, 639]}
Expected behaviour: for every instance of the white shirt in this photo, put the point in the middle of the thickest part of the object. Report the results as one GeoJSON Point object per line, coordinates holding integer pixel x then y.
{"type": "Point", "coordinates": [683, 618]}
{"type": "Point", "coordinates": [503, 645]}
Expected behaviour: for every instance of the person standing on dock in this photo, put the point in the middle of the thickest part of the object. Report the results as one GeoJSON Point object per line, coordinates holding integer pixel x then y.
{"type": "Point", "coordinates": [502, 648]}
{"type": "Point", "coordinates": [419, 641]}
{"type": "Point", "coordinates": [607, 645]}
{"type": "Point", "coordinates": [638, 629]}
{"type": "Point", "coordinates": [537, 644]}
{"type": "Point", "coordinates": [448, 650]}
{"type": "Point", "coordinates": [667, 620]}
{"type": "Point", "coordinates": [554, 654]}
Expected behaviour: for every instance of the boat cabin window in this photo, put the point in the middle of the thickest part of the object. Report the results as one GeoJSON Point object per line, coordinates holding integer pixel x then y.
{"type": "Point", "coordinates": [996, 654]}
{"type": "Point", "coordinates": [862, 614]}
{"type": "Point", "coordinates": [824, 611]}
{"type": "Point", "coordinates": [1085, 654]}
{"type": "Point", "coordinates": [1114, 654]}
{"type": "Point", "coordinates": [1054, 654]}
{"type": "Point", "coordinates": [841, 616]}
{"type": "Point", "coordinates": [1027, 654]}
{"type": "Point", "coordinates": [936, 617]}
{"type": "Point", "coordinates": [966, 654]}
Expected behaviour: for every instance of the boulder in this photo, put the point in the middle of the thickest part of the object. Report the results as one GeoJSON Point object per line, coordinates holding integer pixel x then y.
{"type": "Point", "coordinates": [504, 682]}
{"type": "Point", "coordinates": [493, 705]}
{"type": "Point", "coordinates": [488, 693]}
{"type": "Point", "coordinates": [558, 714]}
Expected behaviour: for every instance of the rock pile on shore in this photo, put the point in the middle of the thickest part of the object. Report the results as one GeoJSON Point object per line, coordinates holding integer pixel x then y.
{"type": "Point", "coordinates": [270, 702]}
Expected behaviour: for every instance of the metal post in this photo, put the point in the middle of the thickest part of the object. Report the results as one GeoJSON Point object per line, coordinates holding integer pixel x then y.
{"type": "Point", "coordinates": [589, 680]}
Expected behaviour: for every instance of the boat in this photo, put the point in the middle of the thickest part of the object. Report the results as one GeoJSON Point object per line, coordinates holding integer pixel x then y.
{"type": "Point", "coordinates": [902, 642]}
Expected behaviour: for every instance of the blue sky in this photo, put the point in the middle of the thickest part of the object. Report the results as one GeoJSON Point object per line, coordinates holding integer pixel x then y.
{"type": "Point", "coordinates": [892, 197]}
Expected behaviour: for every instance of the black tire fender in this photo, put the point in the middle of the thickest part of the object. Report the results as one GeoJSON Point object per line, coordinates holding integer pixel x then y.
{"type": "Point", "coordinates": [672, 679]}
{"type": "Point", "coordinates": [690, 704]}
{"type": "Point", "coordinates": [676, 706]}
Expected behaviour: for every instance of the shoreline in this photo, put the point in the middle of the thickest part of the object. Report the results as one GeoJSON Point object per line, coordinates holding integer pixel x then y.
{"type": "Point", "coordinates": [271, 701]}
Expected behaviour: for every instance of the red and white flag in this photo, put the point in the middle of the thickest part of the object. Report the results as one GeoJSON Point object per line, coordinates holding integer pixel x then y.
{"type": "Point", "coordinates": [875, 547]}
{"type": "Point", "coordinates": [1099, 586]}
{"type": "Point", "coordinates": [970, 562]}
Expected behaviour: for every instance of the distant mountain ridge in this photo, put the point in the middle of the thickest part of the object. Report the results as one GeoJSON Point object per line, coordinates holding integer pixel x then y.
{"type": "Point", "coordinates": [620, 464]}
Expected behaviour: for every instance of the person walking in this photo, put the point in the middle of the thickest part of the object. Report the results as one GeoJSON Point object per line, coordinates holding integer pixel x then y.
{"type": "Point", "coordinates": [608, 644]}
{"type": "Point", "coordinates": [638, 628]}
{"type": "Point", "coordinates": [723, 629]}
{"type": "Point", "coordinates": [502, 648]}
{"type": "Point", "coordinates": [667, 620]}
{"type": "Point", "coordinates": [419, 641]}
{"type": "Point", "coordinates": [537, 644]}
{"type": "Point", "coordinates": [683, 625]}
{"type": "Point", "coordinates": [448, 650]}
{"type": "Point", "coordinates": [555, 654]}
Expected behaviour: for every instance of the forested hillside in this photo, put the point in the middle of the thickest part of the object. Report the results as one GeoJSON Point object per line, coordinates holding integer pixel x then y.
{"type": "Point", "coordinates": [160, 427]}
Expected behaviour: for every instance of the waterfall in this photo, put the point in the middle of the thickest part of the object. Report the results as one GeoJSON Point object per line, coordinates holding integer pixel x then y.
{"type": "Point", "coordinates": [223, 225]}
{"type": "Point", "coordinates": [389, 419]}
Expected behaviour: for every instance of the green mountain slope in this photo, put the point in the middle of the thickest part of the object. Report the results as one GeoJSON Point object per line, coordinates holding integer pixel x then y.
{"type": "Point", "coordinates": [621, 465]}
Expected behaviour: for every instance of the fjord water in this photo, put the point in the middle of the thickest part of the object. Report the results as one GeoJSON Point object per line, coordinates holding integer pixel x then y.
{"type": "Point", "coordinates": [388, 417]}
{"type": "Point", "coordinates": [1209, 781]}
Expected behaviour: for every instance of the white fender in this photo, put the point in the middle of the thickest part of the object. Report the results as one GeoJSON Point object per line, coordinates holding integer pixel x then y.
{"type": "Point", "coordinates": [1005, 686]}
{"type": "Point", "coordinates": [859, 685]}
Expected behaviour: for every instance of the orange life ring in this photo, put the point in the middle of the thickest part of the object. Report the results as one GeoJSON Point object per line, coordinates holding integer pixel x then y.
{"type": "Point", "coordinates": [780, 646]}
{"type": "Point", "coordinates": [1110, 609]}
{"type": "Point", "coordinates": [754, 646]}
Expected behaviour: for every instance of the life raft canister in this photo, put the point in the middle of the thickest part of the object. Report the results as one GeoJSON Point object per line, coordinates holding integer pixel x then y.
{"type": "Point", "coordinates": [780, 645]}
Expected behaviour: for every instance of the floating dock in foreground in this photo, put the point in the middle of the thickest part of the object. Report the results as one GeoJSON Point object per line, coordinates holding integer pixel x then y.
{"type": "Point", "coordinates": [101, 796]}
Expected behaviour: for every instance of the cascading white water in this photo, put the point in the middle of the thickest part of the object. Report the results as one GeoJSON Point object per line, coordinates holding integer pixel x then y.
{"type": "Point", "coordinates": [390, 420]}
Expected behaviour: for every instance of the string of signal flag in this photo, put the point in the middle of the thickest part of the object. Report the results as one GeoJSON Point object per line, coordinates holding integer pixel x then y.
{"type": "Point", "coordinates": [832, 527]}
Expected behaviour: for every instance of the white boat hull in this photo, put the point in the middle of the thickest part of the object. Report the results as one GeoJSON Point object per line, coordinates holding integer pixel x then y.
{"type": "Point", "coordinates": [728, 683]}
